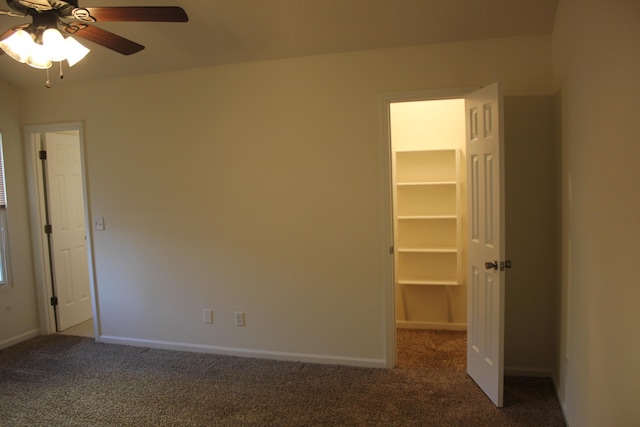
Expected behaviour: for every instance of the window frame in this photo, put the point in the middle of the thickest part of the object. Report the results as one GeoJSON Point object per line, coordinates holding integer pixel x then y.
{"type": "Point", "coordinates": [5, 273]}
{"type": "Point", "coordinates": [5, 270]}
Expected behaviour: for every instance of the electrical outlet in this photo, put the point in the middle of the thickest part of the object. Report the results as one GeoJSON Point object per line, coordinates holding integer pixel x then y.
{"type": "Point", "coordinates": [98, 223]}
{"type": "Point", "coordinates": [207, 315]}
{"type": "Point", "coordinates": [239, 316]}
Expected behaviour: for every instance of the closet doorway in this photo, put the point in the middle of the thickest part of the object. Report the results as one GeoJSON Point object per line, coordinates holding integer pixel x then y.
{"type": "Point", "coordinates": [429, 224]}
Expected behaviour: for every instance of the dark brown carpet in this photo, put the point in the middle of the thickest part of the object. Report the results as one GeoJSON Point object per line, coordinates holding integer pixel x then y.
{"type": "Point", "coordinates": [432, 349]}
{"type": "Point", "coordinates": [72, 381]}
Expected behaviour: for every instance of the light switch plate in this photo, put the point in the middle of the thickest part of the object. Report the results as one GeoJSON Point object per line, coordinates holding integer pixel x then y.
{"type": "Point", "coordinates": [239, 318]}
{"type": "Point", "coordinates": [98, 223]}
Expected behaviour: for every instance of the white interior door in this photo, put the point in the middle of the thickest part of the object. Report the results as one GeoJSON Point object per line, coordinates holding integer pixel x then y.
{"type": "Point", "coordinates": [68, 238]}
{"type": "Point", "coordinates": [485, 245]}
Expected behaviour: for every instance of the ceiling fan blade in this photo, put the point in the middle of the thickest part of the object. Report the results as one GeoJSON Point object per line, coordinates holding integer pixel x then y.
{"type": "Point", "coordinates": [104, 38]}
{"type": "Point", "coordinates": [5, 35]}
{"type": "Point", "coordinates": [138, 13]}
{"type": "Point", "coordinates": [12, 13]}
{"type": "Point", "coordinates": [12, 30]}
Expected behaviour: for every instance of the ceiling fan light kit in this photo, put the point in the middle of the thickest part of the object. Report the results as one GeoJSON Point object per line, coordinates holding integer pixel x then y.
{"type": "Point", "coordinates": [41, 43]}
{"type": "Point", "coordinates": [24, 47]}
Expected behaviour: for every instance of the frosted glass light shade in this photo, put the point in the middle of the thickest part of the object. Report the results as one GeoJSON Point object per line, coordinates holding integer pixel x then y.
{"type": "Point", "coordinates": [18, 45]}
{"type": "Point", "coordinates": [54, 43]}
{"type": "Point", "coordinates": [75, 51]}
{"type": "Point", "coordinates": [39, 57]}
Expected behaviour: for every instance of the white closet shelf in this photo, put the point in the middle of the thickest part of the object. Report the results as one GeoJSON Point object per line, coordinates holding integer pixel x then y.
{"type": "Point", "coordinates": [429, 282]}
{"type": "Point", "coordinates": [424, 183]}
{"type": "Point", "coordinates": [429, 250]}
{"type": "Point", "coordinates": [427, 237]}
{"type": "Point", "coordinates": [406, 217]}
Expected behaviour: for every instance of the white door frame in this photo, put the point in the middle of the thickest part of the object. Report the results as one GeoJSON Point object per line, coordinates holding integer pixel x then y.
{"type": "Point", "coordinates": [387, 203]}
{"type": "Point", "coordinates": [37, 219]}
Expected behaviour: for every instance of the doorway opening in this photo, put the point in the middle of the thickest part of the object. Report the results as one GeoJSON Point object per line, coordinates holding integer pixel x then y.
{"type": "Point", "coordinates": [427, 140]}
{"type": "Point", "coordinates": [59, 218]}
{"type": "Point", "coordinates": [431, 264]}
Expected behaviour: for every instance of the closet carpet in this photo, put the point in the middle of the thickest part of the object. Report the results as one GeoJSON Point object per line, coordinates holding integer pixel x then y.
{"type": "Point", "coordinates": [432, 349]}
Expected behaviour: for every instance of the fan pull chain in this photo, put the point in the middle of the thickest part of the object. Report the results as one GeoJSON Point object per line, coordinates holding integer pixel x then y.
{"type": "Point", "coordinates": [48, 82]}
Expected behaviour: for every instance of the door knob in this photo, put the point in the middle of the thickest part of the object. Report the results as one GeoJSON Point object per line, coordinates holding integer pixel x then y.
{"type": "Point", "coordinates": [490, 265]}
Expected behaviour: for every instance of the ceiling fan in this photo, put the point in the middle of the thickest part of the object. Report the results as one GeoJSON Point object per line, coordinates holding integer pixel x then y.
{"type": "Point", "coordinates": [67, 17]}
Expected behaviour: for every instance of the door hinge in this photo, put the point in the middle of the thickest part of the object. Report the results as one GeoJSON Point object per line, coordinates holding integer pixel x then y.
{"type": "Point", "coordinates": [48, 229]}
{"type": "Point", "coordinates": [391, 250]}
{"type": "Point", "coordinates": [54, 301]}
{"type": "Point", "coordinates": [42, 154]}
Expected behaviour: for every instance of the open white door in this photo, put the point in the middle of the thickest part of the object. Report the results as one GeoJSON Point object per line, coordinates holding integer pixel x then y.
{"type": "Point", "coordinates": [485, 241]}
{"type": "Point", "coordinates": [68, 234]}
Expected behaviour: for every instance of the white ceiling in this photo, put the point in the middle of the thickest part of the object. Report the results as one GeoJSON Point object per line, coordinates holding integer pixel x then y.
{"type": "Point", "coordinates": [233, 31]}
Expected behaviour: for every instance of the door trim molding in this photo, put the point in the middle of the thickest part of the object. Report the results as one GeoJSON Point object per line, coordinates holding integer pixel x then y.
{"type": "Point", "coordinates": [40, 249]}
{"type": "Point", "coordinates": [386, 203]}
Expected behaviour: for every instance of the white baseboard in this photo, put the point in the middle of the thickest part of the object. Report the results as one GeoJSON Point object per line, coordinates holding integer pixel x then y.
{"type": "Point", "coordinates": [240, 352]}
{"type": "Point", "coordinates": [524, 371]}
{"type": "Point", "coordinates": [409, 324]}
{"type": "Point", "coordinates": [18, 339]}
{"type": "Point", "coordinates": [562, 401]}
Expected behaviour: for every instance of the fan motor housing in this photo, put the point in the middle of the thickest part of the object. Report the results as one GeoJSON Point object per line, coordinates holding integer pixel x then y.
{"type": "Point", "coordinates": [34, 6]}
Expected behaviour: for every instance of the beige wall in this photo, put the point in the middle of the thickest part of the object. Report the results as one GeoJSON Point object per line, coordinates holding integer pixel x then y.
{"type": "Point", "coordinates": [18, 312]}
{"type": "Point", "coordinates": [257, 187]}
{"type": "Point", "coordinates": [531, 291]}
{"type": "Point", "coordinates": [596, 69]}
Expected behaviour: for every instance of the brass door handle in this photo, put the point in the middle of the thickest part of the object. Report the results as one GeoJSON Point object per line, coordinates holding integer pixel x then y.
{"type": "Point", "coordinates": [490, 265]}
{"type": "Point", "coordinates": [503, 264]}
